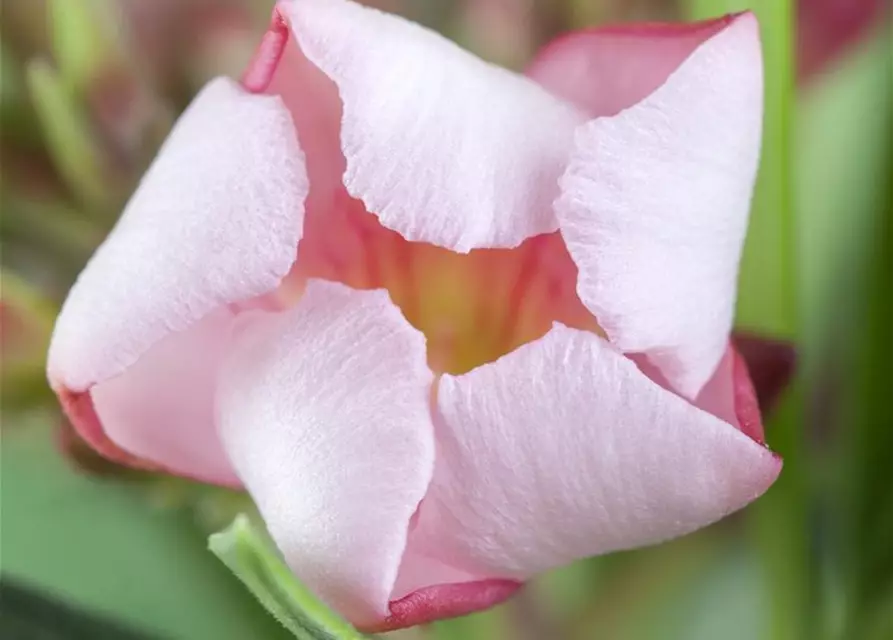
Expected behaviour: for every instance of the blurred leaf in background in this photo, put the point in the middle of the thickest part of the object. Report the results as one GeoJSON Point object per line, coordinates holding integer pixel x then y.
{"type": "Point", "coordinates": [27, 614]}
{"type": "Point", "coordinates": [844, 136]}
{"type": "Point", "coordinates": [101, 545]}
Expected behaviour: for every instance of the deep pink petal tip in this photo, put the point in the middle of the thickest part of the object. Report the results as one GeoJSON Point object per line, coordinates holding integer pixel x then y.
{"type": "Point", "coordinates": [78, 406]}
{"type": "Point", "coordinates": [81, 413]}
{"type": "Point", "coordinates": [445, 601]}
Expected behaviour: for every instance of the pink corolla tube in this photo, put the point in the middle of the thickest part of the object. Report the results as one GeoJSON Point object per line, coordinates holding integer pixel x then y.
{"type": "Point", "coordinates": [449, 325]}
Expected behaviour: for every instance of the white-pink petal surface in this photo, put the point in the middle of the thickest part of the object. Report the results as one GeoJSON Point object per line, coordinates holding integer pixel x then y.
{"type": "Point", "coordinates": [382, 492]}
{"type": "Point", "coordinates": [607, 69]}
{"type": "Point", "coordinates": [563, 449]}
{"type": "Point", "coordinates": [324, 412]}
{"type": "Point", "coordinates": [654, 208]}
{"type": "Point", "coordinates": [161, 409]}
{"type": "Point", "coordinates": [216, 220]}
{"type": "Point", "coordinates": [441, 146]}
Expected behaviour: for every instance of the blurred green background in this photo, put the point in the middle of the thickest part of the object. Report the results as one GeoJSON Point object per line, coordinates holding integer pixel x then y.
{"type": "Point", "coordinates": [89, 89]}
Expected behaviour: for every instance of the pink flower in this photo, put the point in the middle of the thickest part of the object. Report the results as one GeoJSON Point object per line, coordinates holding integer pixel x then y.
{"type": "Point", "coordinates": [449, 326]}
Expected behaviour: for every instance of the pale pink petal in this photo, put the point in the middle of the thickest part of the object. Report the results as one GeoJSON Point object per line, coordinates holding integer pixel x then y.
{"type": "Point", "coordinates": [441, 146]}
{"type": "Point", "coordinates": [729, 394]}
{"type": "Point", "coordinates": [654, 208]}
{"type": "Point", "coordinates": [607, 69]}
{"type": "Point", "coordinates": [216, 220]}
{"type": "Point", "coordinates": [162, 407]}
{"type": "Point", "coordinates": [324, 411]}
{"type": "Point", "coordinates": [564, 449]}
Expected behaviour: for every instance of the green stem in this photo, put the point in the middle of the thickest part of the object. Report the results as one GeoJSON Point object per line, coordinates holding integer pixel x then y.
{"type": "Point", "coordinates": [251, 556]}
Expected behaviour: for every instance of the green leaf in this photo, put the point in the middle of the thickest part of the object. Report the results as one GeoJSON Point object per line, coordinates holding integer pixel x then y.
{"type": "Point", "coordinates": [869, 510]}
{"type": "Point", "coordinates": [31, 613]}
{"type": "Point", "coordinates": [250, 555]}
{"type": "Point", "coordinates": [861, 314]}
{"type": "Point", "coordinates": [99, 545]}
{"type": "Point", "coordinates": [67, 133]}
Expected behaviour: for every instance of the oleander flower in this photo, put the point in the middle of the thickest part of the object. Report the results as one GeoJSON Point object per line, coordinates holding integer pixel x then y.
{"type": "Point", "coordinates": [449, 325]}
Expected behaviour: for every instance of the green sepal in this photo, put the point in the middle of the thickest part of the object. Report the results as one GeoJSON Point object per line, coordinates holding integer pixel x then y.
{"type": "Point", "coordinates": [251, 556]}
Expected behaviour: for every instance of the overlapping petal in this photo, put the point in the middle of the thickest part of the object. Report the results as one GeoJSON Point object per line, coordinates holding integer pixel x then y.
{"type": "Point", "coordinates": [324, 411]}
{"type": "Point", "coordinates": [441, 146]}
{"type": "Point", "coordinates": [162, 407]}
{"type": "Point", "coordinates": [215, 221]}
{"type": "Point", "coordinates": [607, 69]}
{"type": "Point", "coordinates": [654, 207]}
{"type": "Point", "coordinates": [565, 449]}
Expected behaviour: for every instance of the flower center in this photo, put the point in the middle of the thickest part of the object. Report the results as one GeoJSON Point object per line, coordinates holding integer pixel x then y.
{"type": "Point", "coordinates": [472, 308]}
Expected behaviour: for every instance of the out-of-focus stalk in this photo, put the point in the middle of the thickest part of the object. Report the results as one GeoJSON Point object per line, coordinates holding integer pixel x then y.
{"type": "Point", "coordinates": [869, 441]}
{"type": "Point", "coordinates": [769, 303]}
{"type": "Point", "coordinates": [16, 125]}
{"type": "Point", "coordinates": [68, 136]}
{"type": "Point", "coordinates": [861, 431]}
{"type": "Point", "coordinates": [82, 41]}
